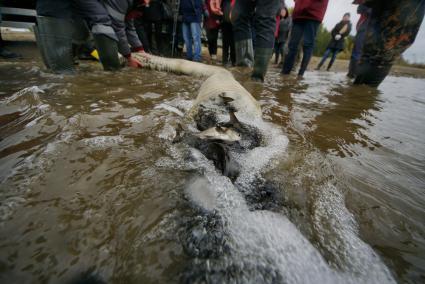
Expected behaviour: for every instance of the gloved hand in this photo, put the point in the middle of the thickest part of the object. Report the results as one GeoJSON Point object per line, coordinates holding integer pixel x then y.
{"type": "Point", "coordinates": [133, 62]}
{"type": "Point", "coordinates": [137, 49]}
{"type": "Point", "coordinates": [338, 37]}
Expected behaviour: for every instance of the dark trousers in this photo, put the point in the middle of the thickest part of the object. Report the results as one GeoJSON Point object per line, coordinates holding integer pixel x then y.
{"type": "Point", "coordinates": [228, 43]}
{"type": "Point", "coordinates": [328, 52]}
{"type": "Point", "coordinates": [153, 30]}
{"type": "Point", "coordinates": [54, 8]}
{"type": "Point", "coordinates": [212, 36]}
{"type": "Point", "coordinates": [279, 50]}
{"type": "Point", "coordinates": [305, 30]}
{"type": "Point", "coordinates": [258, 16]}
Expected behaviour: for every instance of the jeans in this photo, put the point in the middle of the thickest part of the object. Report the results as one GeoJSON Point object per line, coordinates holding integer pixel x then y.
{"type": "Point", "coordinates": [306, 30]}
{"type": "Point", "coordinates": [326, 55]}
{"type": "Point", "coordinates": [192, 36]}
{"type": "Point", "coordinates": [257, 17]}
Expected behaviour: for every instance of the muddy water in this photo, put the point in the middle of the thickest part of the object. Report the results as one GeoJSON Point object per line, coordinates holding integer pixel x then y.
{"type": "Point", "coordinates": [90, 182]}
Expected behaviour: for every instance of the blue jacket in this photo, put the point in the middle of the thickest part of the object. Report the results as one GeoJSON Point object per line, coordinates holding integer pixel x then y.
{"type": "Point", "coordinates": [191, 11]}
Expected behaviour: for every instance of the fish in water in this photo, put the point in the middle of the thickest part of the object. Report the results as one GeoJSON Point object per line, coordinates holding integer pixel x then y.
{"type": "Point", "coordinates": [218, 111]}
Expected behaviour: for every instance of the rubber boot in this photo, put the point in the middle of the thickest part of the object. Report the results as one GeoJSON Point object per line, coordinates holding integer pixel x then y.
{"type": "Point", "coordinates": [244, 53]}
{"type": "Point", "coordinates": [108, 52]}
{"type": "Point", "coordinates": [371, 74]}
{"type": "Point", "coordinates": [261, 62]}
{"type": "Point", "coordinates": [352, 69]}
{"type": "Point", "coordinates": [54, 40]}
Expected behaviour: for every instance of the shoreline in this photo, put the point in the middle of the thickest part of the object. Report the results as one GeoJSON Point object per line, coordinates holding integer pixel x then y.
{"type": "Point", "coordinates": [24, 43]}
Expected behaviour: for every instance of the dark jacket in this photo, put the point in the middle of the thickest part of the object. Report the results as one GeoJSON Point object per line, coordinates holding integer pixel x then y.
{"type": "Point", "coordinates": [153, 13]}
{"type": "Point", "coordinates": [310, 10]}
{"type": "Point", "coordinates": [124, 29]}
{"type": "Point", "coordinates": [339, 44]}
{"type": "Point", "coordinates": [285, 25]}
{"type": "Point", "coordinates": [191, 11]}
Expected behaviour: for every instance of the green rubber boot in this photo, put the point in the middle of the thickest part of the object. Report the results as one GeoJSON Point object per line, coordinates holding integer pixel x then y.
{"type": "Point", "coordinates": [108, 52]}
{"type": "Point", "coordinates": [54, 40]}
{"type": "Point", "coordinates": [261, 62]}
{"type": "Point", "coordinates": [244, 53]}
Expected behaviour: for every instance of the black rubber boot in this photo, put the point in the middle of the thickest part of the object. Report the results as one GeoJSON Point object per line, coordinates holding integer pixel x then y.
{"type": "Point", "coordinates": [371, 74]}
{"type": "Point", "coordinates": [244, 53]}
{"type": "Point", "coordinates": [261, 62]}
{"type": "Point", "coordinates": [108, 52]}
{"type": "Point", "coordinates": [352, 69]}
{"type": "Point", "coordinates": [54, 40]}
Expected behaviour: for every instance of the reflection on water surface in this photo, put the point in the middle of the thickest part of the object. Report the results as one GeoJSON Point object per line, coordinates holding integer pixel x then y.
{"type": "Point", "coordinates": [90, 181]}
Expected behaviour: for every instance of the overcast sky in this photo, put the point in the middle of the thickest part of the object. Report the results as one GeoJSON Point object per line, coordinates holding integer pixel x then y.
{"type": "Point", "coordinates": [337, 8]}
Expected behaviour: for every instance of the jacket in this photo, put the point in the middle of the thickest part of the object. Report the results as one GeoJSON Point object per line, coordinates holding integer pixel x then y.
{"type": "Point", "coordinates": [310, 10]}
{"type": "Point", "coordinates": [191, 11]}
{"type": "Point", "coordinates": [285, 25]}
{"type": "Point", "coordinates": [124, 29]}
{"type": "Point", "coordinates": [212, 22]}
{"type": "Point", "coordinates": [339, 44]}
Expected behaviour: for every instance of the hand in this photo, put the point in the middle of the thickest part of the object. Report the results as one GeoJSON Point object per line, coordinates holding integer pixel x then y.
{"type": "Point", "coordinates": [134, 63]}
{"type": "Point", "coordinates": [215, 6]}
{"type": "Point", "coordinates": [138, 49]}
{"type": "Point", "coordinates": [338, 37]}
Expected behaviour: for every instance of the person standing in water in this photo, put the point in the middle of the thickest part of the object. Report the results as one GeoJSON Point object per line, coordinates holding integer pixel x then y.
{"type": "Point", "coordinates": [248, 16]}
{"type": "Point", "coordinates": [192, 11]}
{"type": "Point", "coordinates": [306, 18]}
{"type": "Point", "coordinates": [336, 45]}
{"type": "Point", "coordinates": [284, 25]}
{"type": "Point", "coordinates": [361, 27]}
{"type": "Point", "coordinates": [393, 27]}
{"type": "Point", "coordinates": [212, 26]}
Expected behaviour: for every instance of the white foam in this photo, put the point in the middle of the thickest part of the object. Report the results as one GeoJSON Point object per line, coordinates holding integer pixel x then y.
{"type": "Point", "coordinates": [170, 109]}
{"type": "Point", "coordinates": [103, 141]}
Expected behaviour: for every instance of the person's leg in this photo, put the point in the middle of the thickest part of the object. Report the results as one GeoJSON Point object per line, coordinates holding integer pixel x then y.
{"type": "Point", "coordinates": [265, 23]}
{"type": "Point", "coordinates": [187, 36]}
{"type": "Point", "coordinates": [393, 27]}
{"type": "Point", "coordinates": [232, 47]}
{"type": "Point", "coordinates": [196, 37]}
{"type": "Point", "coordinates": [282, 50]}
{"type": "Point", "coordinates": [53, 32]}
{"type": "Point", "coordinates": [334, 54]}
{"type": "Point", "coordinates": [324, 57]}
{"type": "Point", "coordinates": [210, 40]}
{"type": "Point", "coordinates": [276, 52]}
{"type": "Point", "coordinates": [242, 13]}
{"type": "Point", "coordinates": [140, 29]}
{"type": "Point", "coordinates": [214, 42]}
{"type": "Point", "coordinates": [226, 33]}
{"type": "Point", "coordinates": [296, 35]}
{"type": "Point", "coordinates": [310, 31]}
{"type": "Point", "coordinates": [99, 22]}
{"type": "Point", "coordinates": [158, 37]}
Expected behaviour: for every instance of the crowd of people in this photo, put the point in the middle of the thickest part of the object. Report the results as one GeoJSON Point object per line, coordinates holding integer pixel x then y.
{"type": "Point", "coordinates": [251, 32]}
